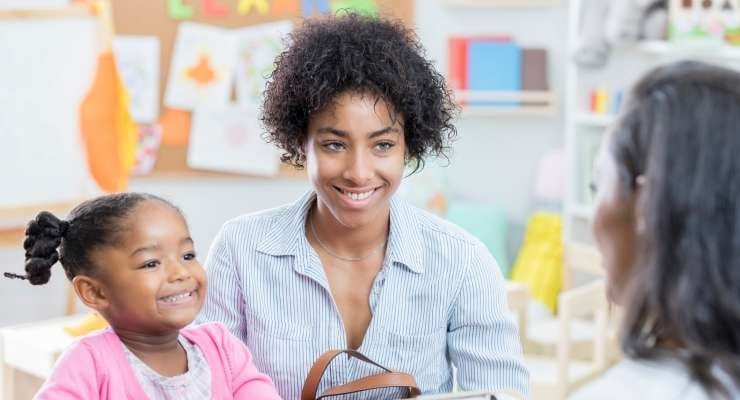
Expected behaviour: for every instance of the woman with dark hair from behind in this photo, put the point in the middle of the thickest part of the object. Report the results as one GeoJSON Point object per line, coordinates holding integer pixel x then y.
{"type": "Point", "coordinates": [667, 222]}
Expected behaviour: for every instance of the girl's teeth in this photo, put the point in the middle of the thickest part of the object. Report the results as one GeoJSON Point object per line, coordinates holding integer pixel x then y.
{"type": "Point", "coordinates": [173, 299]}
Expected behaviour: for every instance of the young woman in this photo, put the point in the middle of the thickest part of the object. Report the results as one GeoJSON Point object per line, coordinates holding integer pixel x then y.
{"type": "Point", "coordinates": [349, 265]}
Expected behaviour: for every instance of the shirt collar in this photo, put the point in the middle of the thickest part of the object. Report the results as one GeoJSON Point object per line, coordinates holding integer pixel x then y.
{"type": "Point", "coordinates": [287, 235]}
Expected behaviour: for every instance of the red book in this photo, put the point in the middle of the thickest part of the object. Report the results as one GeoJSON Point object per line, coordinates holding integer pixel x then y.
{"type": "Point", "coordinates": [457, 67]}
{"type": "Point", "coordinates": [458, 59]}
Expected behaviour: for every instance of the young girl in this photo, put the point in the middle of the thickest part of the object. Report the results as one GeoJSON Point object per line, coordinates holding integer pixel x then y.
{"type": "Point", "coordinates": [130, 257]}
{"type": "Point", "coordinates": [667, 221]}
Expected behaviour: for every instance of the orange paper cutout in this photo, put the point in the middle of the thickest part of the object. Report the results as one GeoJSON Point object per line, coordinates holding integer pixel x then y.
{"type": "Point", "coordinates": [108, 130]}
{"type": "Point", "coordinates": [175, 127]}
{"type": "Point", "coordinates": [201, 73]}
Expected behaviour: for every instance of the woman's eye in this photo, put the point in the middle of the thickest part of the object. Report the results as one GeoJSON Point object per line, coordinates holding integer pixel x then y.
{"type": "Point", "coordinates": [333, 146]}
{"type": "Point", "coordinates": [150, 264]}
{"type": "Point", "coordinates": [384, 146]}
{"type": "Point", "coordinates": [189, 256]}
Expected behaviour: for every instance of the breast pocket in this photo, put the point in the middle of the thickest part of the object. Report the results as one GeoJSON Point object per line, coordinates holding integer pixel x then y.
{"type": "Point", "coordinates": [283, 350]}
{"type": "Point", "coordinates": [422, 355]}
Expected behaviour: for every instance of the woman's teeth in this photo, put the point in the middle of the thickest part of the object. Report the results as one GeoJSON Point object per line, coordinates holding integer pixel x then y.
{"type": "Point", "coordinates": [359, 196]}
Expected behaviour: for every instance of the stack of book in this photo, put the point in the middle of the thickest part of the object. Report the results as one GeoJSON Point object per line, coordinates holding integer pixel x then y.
{"type": "Point", "coordinates": [495, 64]}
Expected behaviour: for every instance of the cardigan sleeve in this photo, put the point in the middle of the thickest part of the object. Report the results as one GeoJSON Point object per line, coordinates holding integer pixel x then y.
{"type": "Point", "coordinates": [247, 381]}
{"type": "Point", "coordinates": [75, 376]}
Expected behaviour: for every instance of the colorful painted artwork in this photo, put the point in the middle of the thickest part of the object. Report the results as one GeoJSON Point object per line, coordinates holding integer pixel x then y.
{"type": "Point", "coordinates": [705, 21]}
{"type": "Point", "coordinates": [137, 60]}
{"type": "Point", "coordinates": [202, 67]}
{"type": "Point", "coordinates": [310, 7]}
{"type": "Point", "coordinates": [258, 46]}
{"type": "Point", "coordinates": [247, 6]}
{"type": "Point", "coordinates": [229, 139]}
{"type": "Point", "coordinates": [150, 137]}
{"type": "Point", "coordinates": [368, 7]}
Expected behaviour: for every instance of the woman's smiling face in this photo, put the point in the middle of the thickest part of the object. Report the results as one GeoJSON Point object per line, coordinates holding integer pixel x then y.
{"type": "Point", "coordinates": [355, 157]}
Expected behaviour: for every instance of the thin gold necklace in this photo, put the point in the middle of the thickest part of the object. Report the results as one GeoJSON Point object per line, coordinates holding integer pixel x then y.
{"type": "Point", "coordinates": [343, 258]}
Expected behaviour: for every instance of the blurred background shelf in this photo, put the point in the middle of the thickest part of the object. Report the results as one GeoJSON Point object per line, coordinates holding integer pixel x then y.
{"type": "Point", "coordinates": [503, 3]}
{"type": "Point", "coordinates": [520, 104]}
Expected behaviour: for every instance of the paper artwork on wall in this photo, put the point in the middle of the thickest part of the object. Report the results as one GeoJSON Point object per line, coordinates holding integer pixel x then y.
{"type": "Point", "coordinates": [202, 67]}
{"type": "Point", "coordinates": [368, 7]}
{"type": "Point", "coordinates": [47, 68]}
{"type": "Point", "coordinates": [137, 59]}
{"type": "Point", "coordinates": [308, 7]}
{"type": "Point", "coordinates": [229, 139]}
{"type": "Point", "coordinates": [257, 48]}
{"type": "Point", "coordinates": [150, 137]}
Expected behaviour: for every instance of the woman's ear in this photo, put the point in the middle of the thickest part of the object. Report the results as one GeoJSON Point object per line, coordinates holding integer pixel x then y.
{"type": "Point", "coordinates": [91, 292]}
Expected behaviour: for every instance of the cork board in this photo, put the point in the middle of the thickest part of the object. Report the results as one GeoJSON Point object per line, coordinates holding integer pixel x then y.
{"type": "Point", "coordinates": [147, 17]}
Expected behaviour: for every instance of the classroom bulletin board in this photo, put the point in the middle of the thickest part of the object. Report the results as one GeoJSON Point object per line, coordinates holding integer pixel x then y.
{"type": "Point", "coordinates": [161, 19]}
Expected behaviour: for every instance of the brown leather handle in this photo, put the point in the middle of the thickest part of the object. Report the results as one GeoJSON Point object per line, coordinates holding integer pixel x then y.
{"type": "Point", "coordinates": [387, 379]}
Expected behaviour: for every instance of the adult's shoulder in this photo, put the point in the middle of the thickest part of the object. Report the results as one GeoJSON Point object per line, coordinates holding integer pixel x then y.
{"type": "Point", "coordinates": [436, 229]}
{"type": "Point", "coordinates": [253, 225]}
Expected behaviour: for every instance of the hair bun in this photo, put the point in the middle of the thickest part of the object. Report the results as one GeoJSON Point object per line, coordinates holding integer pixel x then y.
{"type": "Point", "coordinates": [43, 235]}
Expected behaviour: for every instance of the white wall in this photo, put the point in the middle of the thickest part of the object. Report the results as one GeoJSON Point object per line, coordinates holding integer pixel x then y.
{"type": "Point", "coordinates": [494, 158]}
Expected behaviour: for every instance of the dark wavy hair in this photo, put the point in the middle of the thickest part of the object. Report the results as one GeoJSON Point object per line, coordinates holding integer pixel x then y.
{"type": "Point", "coordinates": [334, 54]}
{"type": "Point", "coordinates": [90, 226]}
{"type": "Point", "coordinates": [681, 131]}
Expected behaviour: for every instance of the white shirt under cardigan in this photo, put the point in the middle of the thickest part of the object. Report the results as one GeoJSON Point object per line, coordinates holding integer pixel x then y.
{"type": "Point", "coordinates": [438, 300]}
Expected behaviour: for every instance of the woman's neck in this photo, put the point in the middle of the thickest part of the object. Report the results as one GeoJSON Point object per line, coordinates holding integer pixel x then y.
{"type": "Point", "coordinates": [349, 241]}
{"type": "Point", "coordinates": [162, 352]}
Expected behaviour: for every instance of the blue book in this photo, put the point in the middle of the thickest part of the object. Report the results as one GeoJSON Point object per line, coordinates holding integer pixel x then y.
{"type": "Point", "coordinates": [494, 66]}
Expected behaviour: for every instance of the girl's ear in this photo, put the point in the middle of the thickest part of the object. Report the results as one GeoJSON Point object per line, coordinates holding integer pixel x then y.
{"type": "Point", "coordinates": [640, 183]}
{"type": "Point", "coordinates": [91, 292]}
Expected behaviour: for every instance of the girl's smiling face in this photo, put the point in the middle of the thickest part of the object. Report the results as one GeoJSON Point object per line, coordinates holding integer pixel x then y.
{"type": "Point", "coordinates": [615, 223]}
{"type": "Point", "coordinates": [151, 281]}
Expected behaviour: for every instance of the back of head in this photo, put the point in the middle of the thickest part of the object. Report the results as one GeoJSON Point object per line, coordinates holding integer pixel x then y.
{"type": "Point", "coordinates": [681, 131]}
{"type": "Point", "coordinates": [91, 225]}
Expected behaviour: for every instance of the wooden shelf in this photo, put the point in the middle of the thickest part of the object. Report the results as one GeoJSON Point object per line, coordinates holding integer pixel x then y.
{"type": "Point", "coordinates": [596, 120]}
{"type": "Point", "coordinates": [583, 211]}
{"type": "Point", "coordinates": [530, 103]}
{"type": "Point", "coordinates": [691, 50]}
{"type": "Point", "coordinates": [503, 3]}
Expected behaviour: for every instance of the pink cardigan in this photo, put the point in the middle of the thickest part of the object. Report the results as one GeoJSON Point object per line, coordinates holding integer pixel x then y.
{"type": "Point", "coordinates": [96, 367]}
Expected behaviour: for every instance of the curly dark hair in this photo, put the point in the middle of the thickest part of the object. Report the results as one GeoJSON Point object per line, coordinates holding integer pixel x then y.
{"type": "Point", "coordinates": [680, 130]}
{"type": "Point", "coordinates": [91, 225]}
{"type": "Point", "coordinates": [334, 54]}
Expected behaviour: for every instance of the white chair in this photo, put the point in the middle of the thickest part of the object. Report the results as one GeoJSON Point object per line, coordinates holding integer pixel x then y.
{"type": "Point", "coordinates": [554, 377]}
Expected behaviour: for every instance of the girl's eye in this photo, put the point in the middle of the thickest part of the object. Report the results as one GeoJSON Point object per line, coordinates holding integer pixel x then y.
{"type": "Point", "coordinates": [384, 146]}
{"type": "Point", "coordinates": [189, 256]}
{"type": "Point", "coordinates": [151, 264]}
{"type": "Point", "coordinates": [333, 146]}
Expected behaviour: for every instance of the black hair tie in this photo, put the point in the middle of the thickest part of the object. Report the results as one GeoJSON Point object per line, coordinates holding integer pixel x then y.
{"type": "Point", "coordinates": [63, 228]}
{"type": "Point", "coordinates": [11, 275]}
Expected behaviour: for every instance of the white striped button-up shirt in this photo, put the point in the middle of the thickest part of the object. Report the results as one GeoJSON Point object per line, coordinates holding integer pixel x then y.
{"type": "Point", "coordinates": [438, 301]}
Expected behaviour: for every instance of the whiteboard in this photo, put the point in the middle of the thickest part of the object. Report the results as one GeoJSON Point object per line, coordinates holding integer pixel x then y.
{"type": "Point", "coordinates": [48, 66]}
